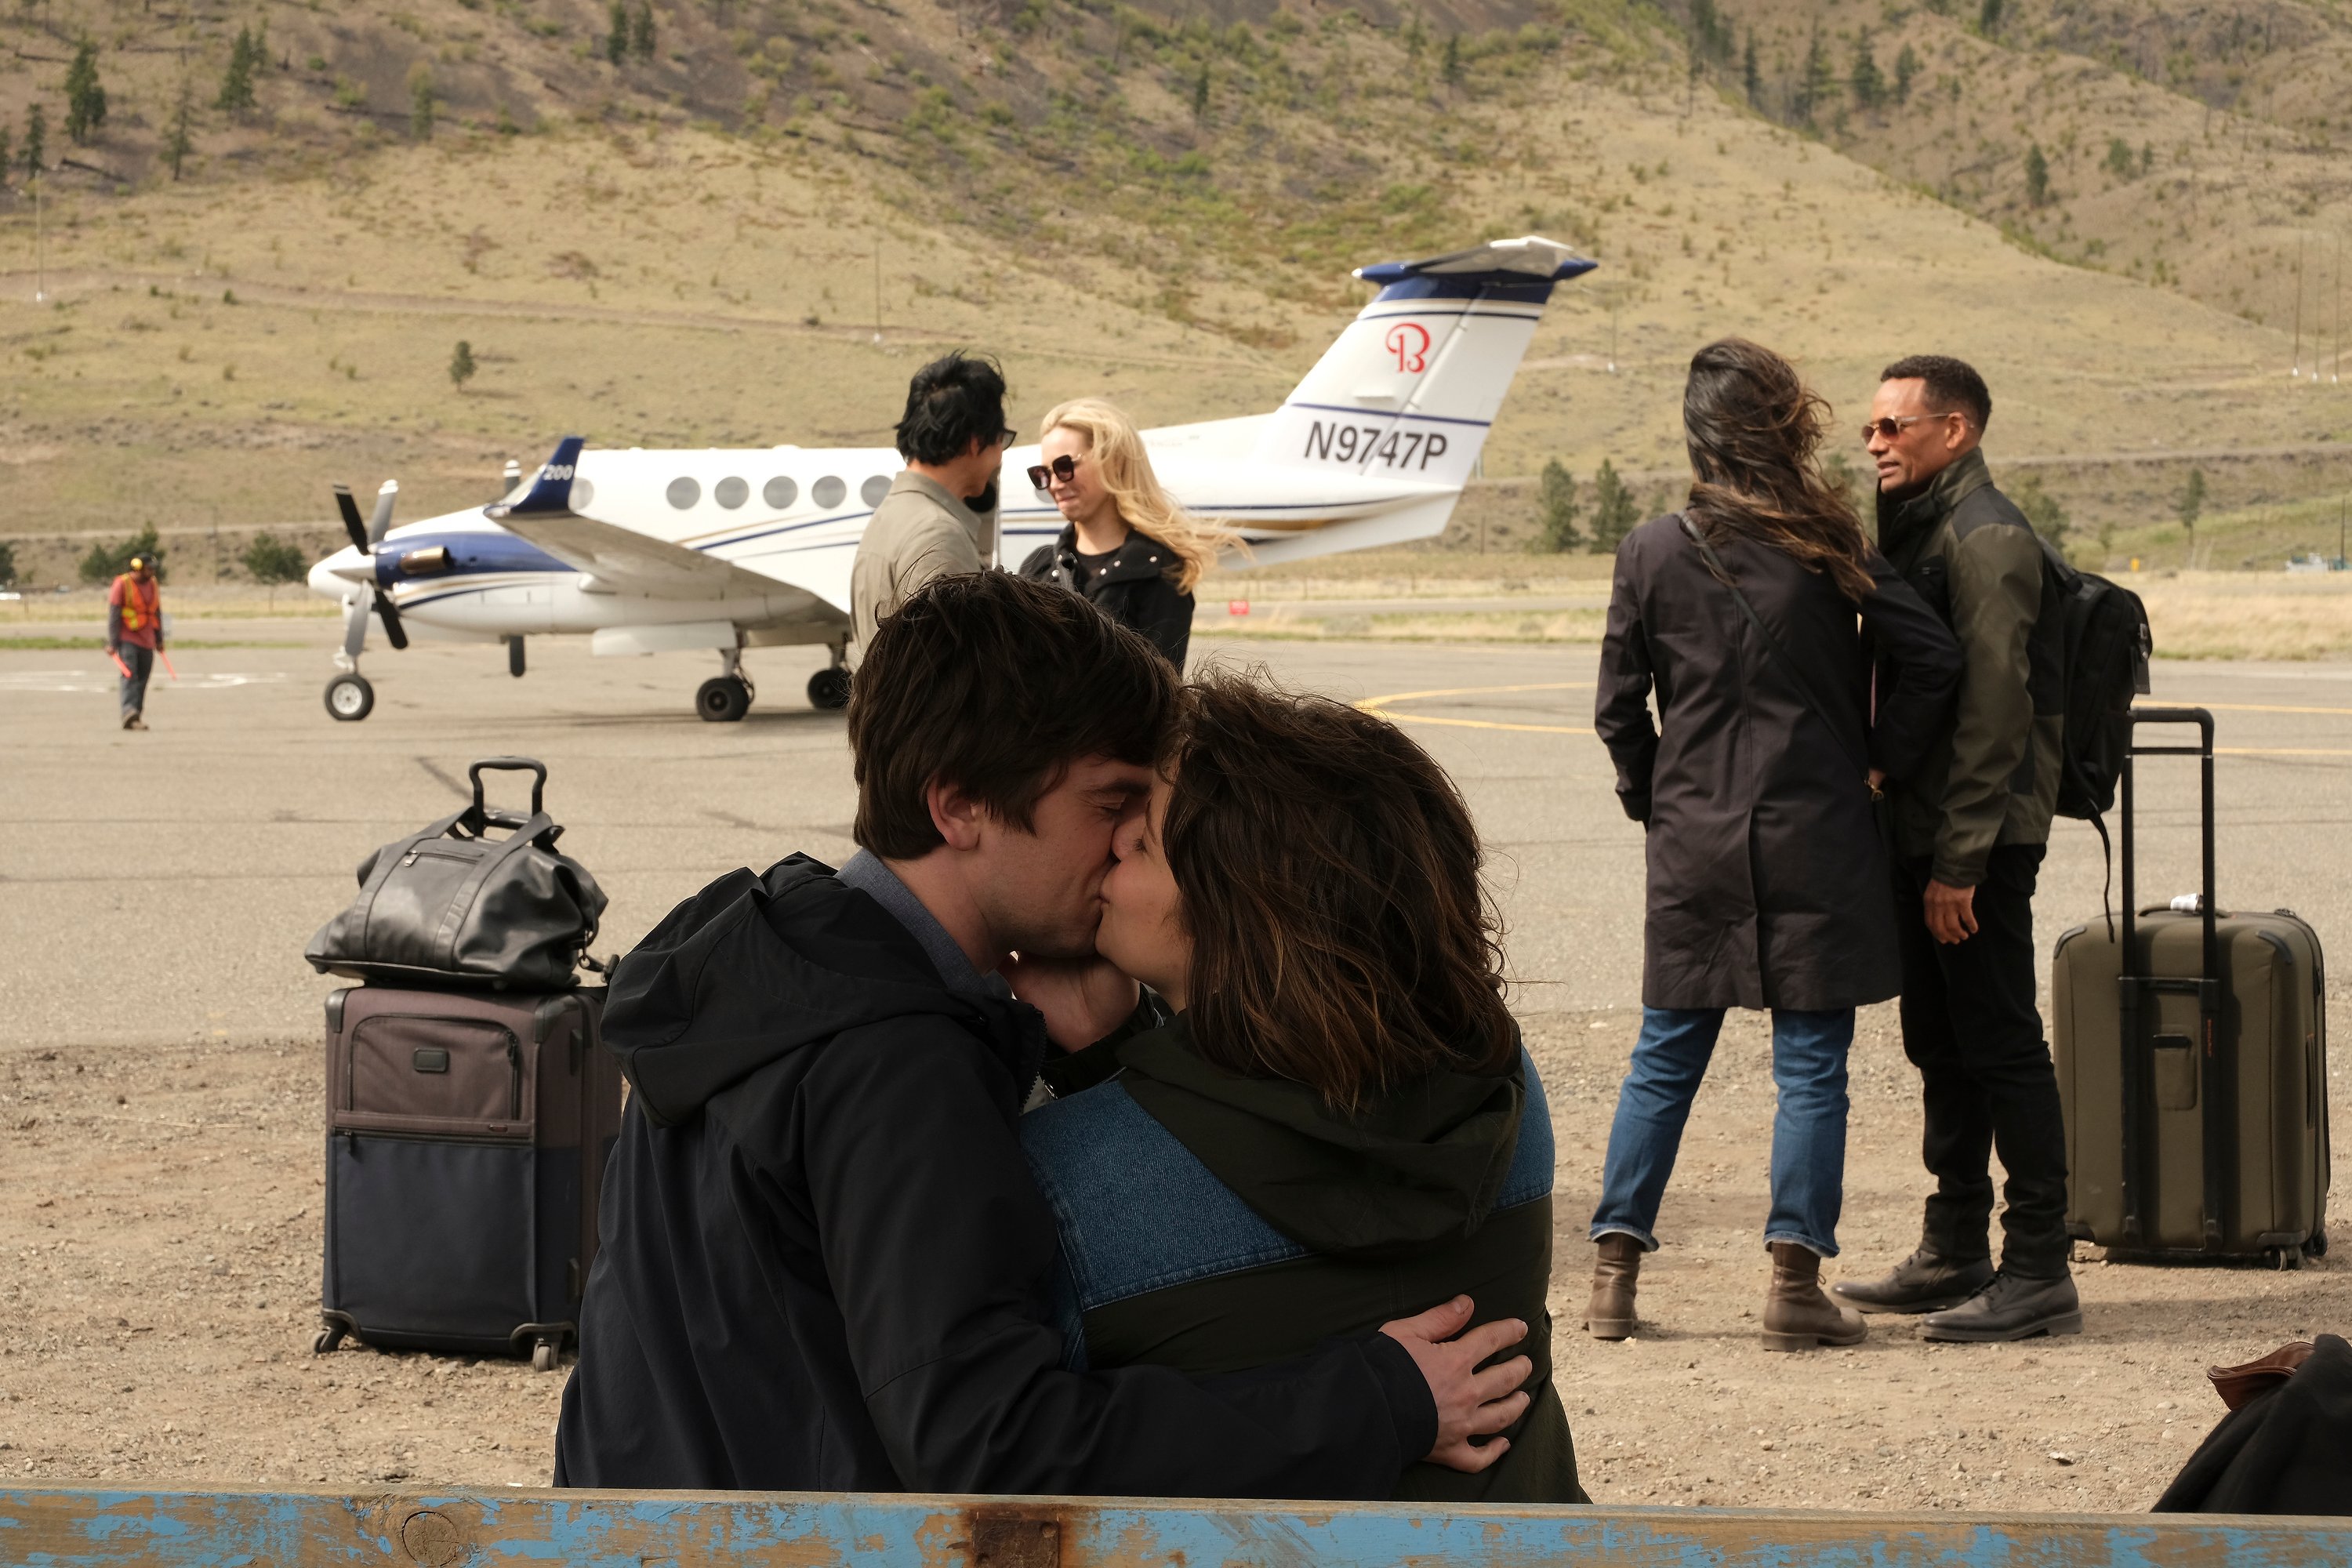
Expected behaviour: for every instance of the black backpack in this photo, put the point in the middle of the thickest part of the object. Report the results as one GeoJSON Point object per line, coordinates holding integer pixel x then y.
{"type": "Point", "coordinates": [2107, 644]}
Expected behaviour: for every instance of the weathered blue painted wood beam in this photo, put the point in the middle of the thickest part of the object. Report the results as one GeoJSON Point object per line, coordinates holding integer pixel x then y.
{"type": "Point", "coordinates": [53, 1527]}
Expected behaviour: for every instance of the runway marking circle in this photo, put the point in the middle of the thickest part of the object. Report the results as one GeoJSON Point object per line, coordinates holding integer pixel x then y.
{"type": "Point", "coordinates": [1380, 706]}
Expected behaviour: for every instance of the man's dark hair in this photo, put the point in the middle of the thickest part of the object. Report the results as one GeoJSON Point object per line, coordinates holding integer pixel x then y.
{"type": "Point", "coordinates": [1951, 384]}
{"type": "Point", "coordinates": [953, 401]}
{"type": "Point", "coordinates": [995, 684]}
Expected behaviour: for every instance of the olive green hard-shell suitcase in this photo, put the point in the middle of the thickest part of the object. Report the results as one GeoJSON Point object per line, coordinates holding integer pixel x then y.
{"type": "Point", "coordinates": [2194, 1080]}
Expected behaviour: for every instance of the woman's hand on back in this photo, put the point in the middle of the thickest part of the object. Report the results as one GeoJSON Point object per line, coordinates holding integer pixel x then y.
{"type": "Point", "coordinates": [1083, 998]}
{"type": "Point", "coordinates": [1470, 1403]}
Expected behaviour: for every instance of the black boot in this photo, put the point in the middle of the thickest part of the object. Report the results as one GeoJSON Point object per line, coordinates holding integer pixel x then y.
{"type": "Point", "coordinates": [2014, 1307]}
{"type": "Point", "coordinates": [1929, 1281]}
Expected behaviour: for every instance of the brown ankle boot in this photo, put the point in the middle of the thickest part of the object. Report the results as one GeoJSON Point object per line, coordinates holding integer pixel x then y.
{"type": "Point", "coordinates": [1614, 1273]}
{"type": "Point", "coordinates": [1796, 1315]}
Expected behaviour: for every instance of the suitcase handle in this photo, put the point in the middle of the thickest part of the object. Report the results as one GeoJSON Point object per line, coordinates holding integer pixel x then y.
{"type": "Point", "coordinates": [537, 769]}
{"type": "Point", "coordinates": [2220, 1162]}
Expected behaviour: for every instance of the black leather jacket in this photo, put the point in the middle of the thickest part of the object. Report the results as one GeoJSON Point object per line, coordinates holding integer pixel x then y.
{"type": "Point", "coordinates": [1134, 589]}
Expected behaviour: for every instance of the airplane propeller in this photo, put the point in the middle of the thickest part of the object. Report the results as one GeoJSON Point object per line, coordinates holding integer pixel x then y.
{"type": "Point", "coordinates": [365, 537]}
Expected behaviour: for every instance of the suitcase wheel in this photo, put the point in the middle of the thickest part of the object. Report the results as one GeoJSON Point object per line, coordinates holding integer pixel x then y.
{"type": "Point", "coordinates": [329, 1339]}
{"type": "Point", "coordinates": [2284, 1257]}
{"type": "Point", "coordinates": [542, 1355]}
{"type": "Point", "coordinates": [2317, 1246]}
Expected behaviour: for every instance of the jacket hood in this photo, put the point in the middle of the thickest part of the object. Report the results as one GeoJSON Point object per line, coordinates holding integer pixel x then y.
{"type": "Point", "coordinates": [1424, 1164]}
{"type": "Point", "coordinates": [753, 968]}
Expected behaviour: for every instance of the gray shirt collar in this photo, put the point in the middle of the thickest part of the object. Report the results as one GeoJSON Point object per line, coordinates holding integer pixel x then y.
{"type": "Point", "coordinates": [865, 872]}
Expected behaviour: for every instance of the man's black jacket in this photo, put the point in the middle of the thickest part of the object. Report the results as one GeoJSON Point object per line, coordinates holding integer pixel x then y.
{"type": "Point", "coordinates": [824, 1265]}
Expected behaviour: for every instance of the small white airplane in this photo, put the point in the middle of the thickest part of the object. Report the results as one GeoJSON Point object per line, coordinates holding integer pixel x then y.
{"type": "Point", "coordinates": [651, 550]}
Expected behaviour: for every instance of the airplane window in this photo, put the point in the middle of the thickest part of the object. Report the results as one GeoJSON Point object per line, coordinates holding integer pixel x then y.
{"type": "Point", "coordinates": [583, 495]}
{"type": "Point", "coordinates": [780, 492]}
{"type": "Point", "coordinates": [684, 492]}
{"type": "Point", "coordinates": [828, 491]}
{"type": "Point", "coordinates": [730, 492]}
{"type": "Point", "coordinates": [872, 492]}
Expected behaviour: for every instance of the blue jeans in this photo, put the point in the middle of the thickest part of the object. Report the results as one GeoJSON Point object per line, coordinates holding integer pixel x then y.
{"type": "Point", "coordinates": [1809, 1052]}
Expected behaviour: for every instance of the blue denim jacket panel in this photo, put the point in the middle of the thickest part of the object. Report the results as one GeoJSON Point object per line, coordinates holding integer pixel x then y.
{"type": "Point", "coordinates": [1139, 1212]}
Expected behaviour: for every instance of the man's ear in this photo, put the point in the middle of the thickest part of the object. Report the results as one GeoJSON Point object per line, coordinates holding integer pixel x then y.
{"type": "Point", "coordinates": [957, 816]}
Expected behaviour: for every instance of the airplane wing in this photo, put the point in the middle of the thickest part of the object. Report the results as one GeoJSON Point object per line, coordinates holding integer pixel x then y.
{"type": "Point", "coordinates": [622, 560]}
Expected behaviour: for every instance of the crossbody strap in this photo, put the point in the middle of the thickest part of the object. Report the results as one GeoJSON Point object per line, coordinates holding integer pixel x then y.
{"type": "Point", "coordinates": [1821, 709]}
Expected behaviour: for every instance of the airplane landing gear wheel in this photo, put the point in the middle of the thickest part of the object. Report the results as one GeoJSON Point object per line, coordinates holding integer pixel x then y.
{"type": "Point", "coordinates": [829, 689]}
{"type": "Point", "coordinates": [722, 699]}
{"type": "Point", "coordinates": [350, 698]}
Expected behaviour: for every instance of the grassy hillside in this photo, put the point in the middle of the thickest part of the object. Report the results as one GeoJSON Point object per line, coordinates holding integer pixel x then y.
{"type": "Point", "coordinates": [754, 232]}
{"type": "Point", "coordinates": [2201, 147]}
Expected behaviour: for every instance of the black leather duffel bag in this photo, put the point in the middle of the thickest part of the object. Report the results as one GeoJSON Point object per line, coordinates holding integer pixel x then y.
{"type": "Point", "coordinates": [452, 906]}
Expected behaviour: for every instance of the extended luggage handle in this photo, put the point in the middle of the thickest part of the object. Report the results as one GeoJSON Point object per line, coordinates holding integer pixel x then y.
{"type": "Point", "coordinates": [2215, 1118]}
{"type": "Point", "coordinates": [532, 765]}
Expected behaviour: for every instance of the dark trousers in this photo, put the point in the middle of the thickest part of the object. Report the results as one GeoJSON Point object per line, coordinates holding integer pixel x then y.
{"type": "Point", "coordinates": [140, 662]}
{"type": "Point", "coordinates": [1971, 1027]}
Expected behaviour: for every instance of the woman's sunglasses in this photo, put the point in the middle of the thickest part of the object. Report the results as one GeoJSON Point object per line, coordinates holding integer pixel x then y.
{"type": "Point", "coordinates": [1064, 468]}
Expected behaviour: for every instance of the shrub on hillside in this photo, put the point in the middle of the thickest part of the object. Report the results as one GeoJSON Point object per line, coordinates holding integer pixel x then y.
{"type": "Point", "coordinates": [107, 562]}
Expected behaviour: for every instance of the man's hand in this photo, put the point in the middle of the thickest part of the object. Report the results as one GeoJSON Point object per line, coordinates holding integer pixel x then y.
{"type": "Point", "coordinates": [1951, 911]}
{"type": "Point", "coordinates": [1470, 1403]}
{"type": "Point", "coordinates": [1083, 998]}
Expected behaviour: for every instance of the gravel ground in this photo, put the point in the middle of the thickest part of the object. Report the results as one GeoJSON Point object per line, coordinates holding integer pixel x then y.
{"type": "Point", "coordinates": [160, 1209]}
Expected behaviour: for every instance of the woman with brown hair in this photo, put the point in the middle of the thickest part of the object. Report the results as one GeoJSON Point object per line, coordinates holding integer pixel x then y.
{"type": "Point", "coordinates": [1769, 882]}
{"type": "Point", "coordinates": [1338, 1124]}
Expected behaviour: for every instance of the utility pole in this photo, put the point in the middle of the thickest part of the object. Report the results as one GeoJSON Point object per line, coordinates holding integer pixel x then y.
{"type": "Point", "coordinates": [877, 290]}
{"type": "Point", "coordinates": [2336, 374]}
{"type": "Point", "coordinates": [2296, 374]}
{"type": "Point", "coordinates": [40, 244]}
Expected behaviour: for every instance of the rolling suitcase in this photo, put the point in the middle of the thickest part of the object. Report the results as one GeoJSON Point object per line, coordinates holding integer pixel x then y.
{"type": "Point", "coordinates": [466, 1136]}
{"type": "Point", "coordinates": [2192, 1049]}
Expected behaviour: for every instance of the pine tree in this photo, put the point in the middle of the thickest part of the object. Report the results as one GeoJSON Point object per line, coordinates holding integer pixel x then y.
{"type": "Point", "coordinates": [37, 140]}
{"type": "Point", "coordinates": [1813, 85]}
{"type": "Point", "coordinates": [1556, 508]}
{"type": "Point", "coordinates": [1614, 510]}
{"type": "Point", "coordinates": [420, 102]}
{"type": "Point", "coordinates": [1869, 86]}
{"type": "Point", "coordinates": [2037, 176]}
{"type": "Point", "coordinates": [2191, 504]}
{"type": "Point", "coordinates": [1451, 69]}
{"type": "Point", "coordinates": [237, 82]}
{"type": "Point", "coordinates": [461, 365]}
{"type": "Point", "coordinates": [1201, 95]}
{"type": "Point", "coordinates": [2042, 508]}
{"type": "Point", "coordinates": [1906, 70]}
{"type": "Point", "coordinates": [1750, 77]}
{"type": "Point", "coordinates": [4, 157]}
{"type": "Point", "coordinates": [1988, 19]}
{"type": "Point", "coordinates": [641, 37]}
{"type": "Point", "coordinates": [177, 140]}
{"type": "Point", "coordinates": [85, 99]}
{"type": "Point", "coordinates": [616, 37]}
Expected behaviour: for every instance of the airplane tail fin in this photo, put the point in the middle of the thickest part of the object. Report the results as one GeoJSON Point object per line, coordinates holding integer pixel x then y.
{"type": "Point", "coordinates": [550, 489]}
{"type": "Point", "coordinates": [1408, 390]}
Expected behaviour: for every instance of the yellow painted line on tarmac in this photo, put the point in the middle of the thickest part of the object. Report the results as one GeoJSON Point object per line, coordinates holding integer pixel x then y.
{"type": "Point", "coordinates": [2266, 707]}
{"type": "Point", "coordinates": [1380, 705]}
{"type": "Point", "coordinates": [2276, 751]}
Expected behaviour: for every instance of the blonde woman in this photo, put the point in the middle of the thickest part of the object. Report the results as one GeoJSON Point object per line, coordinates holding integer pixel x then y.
{"type": "Point", "coordinates": [1128, 547]}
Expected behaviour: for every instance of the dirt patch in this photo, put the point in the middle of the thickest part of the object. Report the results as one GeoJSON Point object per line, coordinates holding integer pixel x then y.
{"type": "Point", "coordinates": [159, 1218]}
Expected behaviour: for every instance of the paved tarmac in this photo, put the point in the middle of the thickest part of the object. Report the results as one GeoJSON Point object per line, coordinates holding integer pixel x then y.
{"type": "Point", "coordinates": [160, 887]}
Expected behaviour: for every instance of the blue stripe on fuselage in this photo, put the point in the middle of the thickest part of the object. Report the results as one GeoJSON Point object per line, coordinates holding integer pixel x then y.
{"type": "Point", "coordinates": [470, 554]}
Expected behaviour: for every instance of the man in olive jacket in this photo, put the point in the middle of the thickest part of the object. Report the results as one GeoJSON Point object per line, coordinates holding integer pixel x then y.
{"type": "Point", "coordinates": [1971, 824]}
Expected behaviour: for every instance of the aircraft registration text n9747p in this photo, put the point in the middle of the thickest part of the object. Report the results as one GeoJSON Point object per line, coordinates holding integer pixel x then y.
{"type": "Point", "coordinates": [645, 551]}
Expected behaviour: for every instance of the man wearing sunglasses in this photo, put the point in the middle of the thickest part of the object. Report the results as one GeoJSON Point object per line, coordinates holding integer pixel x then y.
{"type": "Point", "coordinates": [939, 516]}
{"type": "Point", "coordinates": [1971, 824]}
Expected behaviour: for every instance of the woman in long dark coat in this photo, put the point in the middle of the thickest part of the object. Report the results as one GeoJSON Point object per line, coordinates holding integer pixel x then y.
{"type": "Point", "coordinates": [1769, 885]}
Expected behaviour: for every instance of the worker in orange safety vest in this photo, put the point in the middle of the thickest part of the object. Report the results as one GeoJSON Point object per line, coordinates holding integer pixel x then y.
{"type": "Point", "coordinates": [135, 635]}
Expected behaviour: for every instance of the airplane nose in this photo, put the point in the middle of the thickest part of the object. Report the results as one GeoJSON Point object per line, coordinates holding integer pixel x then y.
{"type": "Point", "coordinates": [335, 575]}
